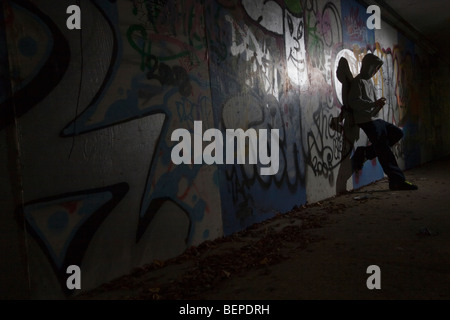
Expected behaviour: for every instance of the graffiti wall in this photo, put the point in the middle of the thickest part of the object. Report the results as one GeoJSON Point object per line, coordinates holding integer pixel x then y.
{"type": "Point", "coordinates": [88, 119]}
{"type": "Point", "coordinates": [251, 88]}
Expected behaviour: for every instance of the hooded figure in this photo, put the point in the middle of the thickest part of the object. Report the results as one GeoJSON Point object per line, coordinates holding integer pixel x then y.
{"type": "Point", "coordinates": [362, 97]}
{"type": "Point", "coordinates": [382, 134]}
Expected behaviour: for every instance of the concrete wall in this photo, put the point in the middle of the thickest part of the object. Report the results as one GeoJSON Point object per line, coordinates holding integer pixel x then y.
{"type": "Point", "coordinates": [87, 123]}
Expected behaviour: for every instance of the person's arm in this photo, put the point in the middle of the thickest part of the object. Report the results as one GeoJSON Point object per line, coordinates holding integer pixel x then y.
{"type": "Point", "coordinates": [378, 105]}
{"type": "Point", "coordinates": [356, 100]}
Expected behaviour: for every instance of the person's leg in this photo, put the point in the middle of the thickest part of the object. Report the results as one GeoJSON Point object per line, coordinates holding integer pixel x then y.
{"type": "Point", "coordinates": [370, 152]}
{"type": "Point", "coordinates": [377, 133]}
{"type": "Point", "coordinates": [358, 158]}
{"type": "Point", "coordinates": [394, 133]}
{"type": "Point", "coordinates": [361, 155]}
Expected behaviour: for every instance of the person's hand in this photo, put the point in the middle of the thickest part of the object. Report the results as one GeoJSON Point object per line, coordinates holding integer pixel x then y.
{"type": "Point", "coordinates": [380, 102]}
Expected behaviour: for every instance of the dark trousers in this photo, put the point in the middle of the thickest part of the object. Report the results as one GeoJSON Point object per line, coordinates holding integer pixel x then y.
{"type": "Point", "coordinates": [383, 135]}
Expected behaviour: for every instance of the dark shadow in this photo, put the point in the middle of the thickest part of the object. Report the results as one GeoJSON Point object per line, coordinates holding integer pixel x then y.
{"type": "Point", "coordinates": [345, 124]}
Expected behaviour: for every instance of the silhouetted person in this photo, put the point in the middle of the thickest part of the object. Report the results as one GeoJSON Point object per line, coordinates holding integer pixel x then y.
{"type": "Point", "coordinates": [344, 123]}
{"type": "Point", "coordinates": [383, 135]}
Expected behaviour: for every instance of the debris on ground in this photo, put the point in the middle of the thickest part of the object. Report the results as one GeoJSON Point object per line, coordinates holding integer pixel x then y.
{"type": "Point", "coordinates": [426, 232]}
{"type": "Point", "coordinates": [259, 246]}
{"type": "Point", "coordinates": [365, 197]}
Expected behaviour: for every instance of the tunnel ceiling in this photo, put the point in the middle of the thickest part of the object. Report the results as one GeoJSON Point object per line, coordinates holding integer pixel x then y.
{"type": "Point", "coordinates": [429, 17]}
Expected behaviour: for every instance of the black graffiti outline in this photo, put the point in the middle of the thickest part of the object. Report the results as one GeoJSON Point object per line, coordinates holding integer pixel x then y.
{"type": "Point", "coordinates": [50, 74]}
{"type": "Point", "coordinates": [106, 81]}
{"type": "Point", "coordinates": [84, 234]}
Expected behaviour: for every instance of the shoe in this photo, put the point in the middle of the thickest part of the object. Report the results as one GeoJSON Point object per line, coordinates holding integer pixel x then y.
{"type": "Point", "coordinates": [358, 159]}
{"type": "Point", "coordinates": [405, 185]}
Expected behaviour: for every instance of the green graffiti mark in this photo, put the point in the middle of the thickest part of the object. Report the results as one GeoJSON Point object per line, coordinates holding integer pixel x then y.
{"type": "Point", "coordinates": [145, 39]}
{"type": "Point", "coordinates": [294, 7]}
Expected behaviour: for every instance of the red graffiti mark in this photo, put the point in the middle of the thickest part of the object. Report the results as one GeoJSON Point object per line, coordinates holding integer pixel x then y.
{"type": "Point", "coordinates": [324, 23]}
{"type": "Point", "coordinates": [355, 25]}
{"type": "Point", "coordinates": [357, 176]}
{"type": "Point", "coordinates": [187, 63]}
{"type": "Point", "coordinates": [9, 16]}
{"type": "Point", "coordinates": [185, 193]}
{"type": "Point", "coordinates": [71, 206]}
{"type": "Point", "coordinates": [186, 49]}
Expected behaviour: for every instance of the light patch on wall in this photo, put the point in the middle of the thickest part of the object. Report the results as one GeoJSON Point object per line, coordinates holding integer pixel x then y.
{"type": "Point", "coordinates": [294, 37]}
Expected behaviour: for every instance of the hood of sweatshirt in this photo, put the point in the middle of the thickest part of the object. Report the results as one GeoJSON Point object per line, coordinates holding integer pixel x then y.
{"type": "Point", "coordinates": [370, 65]}
{"type": "Point", "coordinates": [343, 72]}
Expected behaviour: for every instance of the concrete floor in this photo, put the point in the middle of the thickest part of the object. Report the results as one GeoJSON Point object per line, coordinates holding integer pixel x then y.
{"type": "Point", "coordinates": [320, 251]}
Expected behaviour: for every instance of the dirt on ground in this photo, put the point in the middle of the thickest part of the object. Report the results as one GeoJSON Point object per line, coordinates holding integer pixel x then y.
{"type": "Point", "coordinates": [318, 251]}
